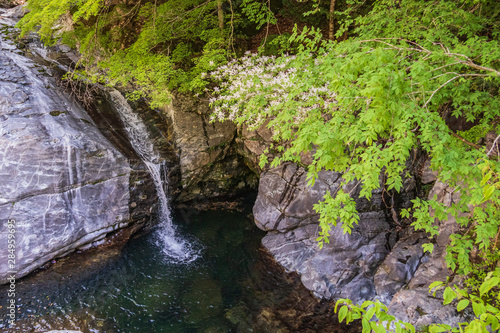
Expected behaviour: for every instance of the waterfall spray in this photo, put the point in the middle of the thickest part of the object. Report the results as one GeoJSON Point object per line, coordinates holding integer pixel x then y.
{"type": "Point", "coordinates": [172, 244]}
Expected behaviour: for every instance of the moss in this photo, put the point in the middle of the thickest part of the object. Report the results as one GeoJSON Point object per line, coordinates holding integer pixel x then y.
{"type": "Point", "coordinates": [57, 113]}
{"type": "Point", "coordinates": [98, 181]}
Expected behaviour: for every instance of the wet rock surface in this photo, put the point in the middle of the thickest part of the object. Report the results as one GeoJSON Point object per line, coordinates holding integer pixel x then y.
{"type": "Point", "coordinates": [414, 303]}
{"type": "Point", "coordinates": [61, 181]}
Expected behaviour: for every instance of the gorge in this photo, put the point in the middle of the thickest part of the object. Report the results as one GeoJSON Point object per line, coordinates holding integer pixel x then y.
{"type": "Point", "coordinates": [140, 214]}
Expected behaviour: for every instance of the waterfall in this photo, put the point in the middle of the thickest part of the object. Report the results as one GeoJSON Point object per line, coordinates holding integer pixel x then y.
{"type": "Point", "coordinates": [172, 244]}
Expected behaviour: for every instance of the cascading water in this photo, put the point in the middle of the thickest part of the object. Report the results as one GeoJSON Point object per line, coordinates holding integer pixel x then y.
{"type": "Point", "coordinates": [174, 247]}
{"type": "Point", "coordinates": [172, 244]}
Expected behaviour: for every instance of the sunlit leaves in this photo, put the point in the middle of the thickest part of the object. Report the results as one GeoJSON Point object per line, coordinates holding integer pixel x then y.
{"type": "Point", "coordinates": [374, 317]}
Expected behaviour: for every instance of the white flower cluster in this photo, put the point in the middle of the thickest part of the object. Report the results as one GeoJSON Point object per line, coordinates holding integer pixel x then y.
{"type": "Point", "coordinates": [258, 87]}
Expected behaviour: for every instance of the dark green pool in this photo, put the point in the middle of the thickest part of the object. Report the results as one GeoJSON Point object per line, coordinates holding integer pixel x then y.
{"type": "Point", "coordinates": [232, 286]}
{"type": "Point", "coordinates": [140, 289]}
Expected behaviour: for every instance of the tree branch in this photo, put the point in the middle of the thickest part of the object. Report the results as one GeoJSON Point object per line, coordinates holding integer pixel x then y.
{"type": "Point", "coordinates": [465, 141]}
{"type": "Point", "coordinates": [468, 62]}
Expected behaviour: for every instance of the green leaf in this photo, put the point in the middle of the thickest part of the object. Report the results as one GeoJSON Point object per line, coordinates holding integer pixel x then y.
{"type": "Point", "coordinates": [369, 313]}
{"type": "Point", "coordinates": [488, 191]}
{"type": "Point", "coordinates": [428, 247]}
{"type": "Point", "coordinates": [437, 329]}
{"type": "Point", "coordinates": [488, 284]}
{"type": "Point", "coordinates": [485, 179]}
{"type": "Point", "coordinates": [399, 329]}
{"type": "Point", "coordinates": [462, 304]}
{"type": "Point", "coordinates": [377, 328]}
{"type": "Point", "coordinates": [343, 313]}
{"type": "Point", "coordinates": [366, 326]}
{"type": "Point", "coordinates": [449, 295]}
{"type": "Point", "coordinates": [478, 309]}
{"type": "Point", "coordinates": [435, 285]}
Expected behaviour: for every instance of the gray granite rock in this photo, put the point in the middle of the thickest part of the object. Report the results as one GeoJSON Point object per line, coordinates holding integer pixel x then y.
{"type": "Point", "coordinates": [428, 175]}
{"type": "Point", "coordinates": [345, 267]}
{"type": "Point", "coordinates": [210, 165]}
{"type": "Point", "coordinates": [414, 303]}
{"type": "Point", "coordinates": [61, 181]}
{"type": "Point", "coordinates": [399, 267]}
{"type": "Point", "coordinates": [381, 259]}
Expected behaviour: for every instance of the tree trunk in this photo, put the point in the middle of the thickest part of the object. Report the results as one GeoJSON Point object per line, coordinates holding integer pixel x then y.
{"type": "Point", "coordinates": [331, 26]}
{"type": "Point", "coordinates": [220, 14]}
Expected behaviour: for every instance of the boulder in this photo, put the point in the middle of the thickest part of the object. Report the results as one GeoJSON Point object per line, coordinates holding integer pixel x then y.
{"type": "Point", "coordinates": [381, 259]}
{"type": "Point", "coordinates": [63, 186]}
{"type": "Point", "coordinates": [414, 303]}
{"type": "Point", "coordinates": [399, 267]}
{"type": "Point", "coordinates": [344, 267]}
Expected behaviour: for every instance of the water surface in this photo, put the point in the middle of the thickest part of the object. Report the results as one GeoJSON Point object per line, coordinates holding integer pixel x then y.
{"type": "Point", "coordinates": [140, 288]}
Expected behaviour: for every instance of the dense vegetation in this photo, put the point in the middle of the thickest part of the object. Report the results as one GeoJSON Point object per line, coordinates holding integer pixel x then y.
{"type": "Point", "coordinates": [384, 82]}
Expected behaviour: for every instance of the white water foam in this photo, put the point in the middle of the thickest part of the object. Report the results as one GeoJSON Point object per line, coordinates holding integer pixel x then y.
{"type": "Point", "coordinates": [174, 247]}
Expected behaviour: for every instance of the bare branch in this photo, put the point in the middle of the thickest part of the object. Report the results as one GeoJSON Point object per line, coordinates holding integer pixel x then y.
{"type": "Point", "coordinates": [452, 64]}
{"type": "Point", "coordinates": [441, 86]}
{"type": "Point", "coordinates": [495, 143]}
{"type": "Point", "coordinates": [467, 62]}
{"type": "Point", "coordinates": [444, 84]}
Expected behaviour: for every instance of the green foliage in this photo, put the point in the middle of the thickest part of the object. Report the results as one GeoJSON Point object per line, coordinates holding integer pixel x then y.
{"type": "Point", "coordinates": [486, 316]}
{"type": "Point", "coordinates": [258, 12]}
{"type": "Point", "coordinates": [483, 301]}
{"type": "Point", "coordinates": [153, 47]}
{"type": "Point", "coordinates": [373, 315]}
{"type": "Point", "coordinates": [361, 106]}
{"type": "Point", "coordinates": [333, 209]}
{"type": "Point", "coordinates": [44, 14]}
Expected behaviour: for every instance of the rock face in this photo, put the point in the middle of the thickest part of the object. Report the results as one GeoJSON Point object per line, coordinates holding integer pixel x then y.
{"type": "Point", "coordinates": [382, 259]}
{"type": "Point", "coordinates": [252, 144]}
{"type": "Point", "coordinates": [210, 165]}
{"type": "Point", "coordinates": [414, 303]}
{"type": "Point", "coordinates": [346, 266]}
{"type": "Point", "coordinates": [62, 184]}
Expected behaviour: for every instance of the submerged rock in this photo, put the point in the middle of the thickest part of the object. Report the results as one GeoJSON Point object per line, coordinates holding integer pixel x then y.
{"type": "Point", "coordinates": [203, 300]}
{"type": "Point", "coordinates": [62, 184]}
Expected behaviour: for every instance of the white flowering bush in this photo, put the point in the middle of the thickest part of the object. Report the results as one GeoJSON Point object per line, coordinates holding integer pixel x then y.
{"type": "Point", "coordinates": [264, 84]}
